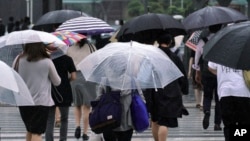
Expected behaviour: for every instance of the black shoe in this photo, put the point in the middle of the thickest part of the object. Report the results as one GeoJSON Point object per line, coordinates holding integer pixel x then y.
{"type": "Point", "coordinates": [217, 127]}
{"type": "Point", "coordinates": [78, 132]}
{"type": "Point", "coordinates": [85, 137]}
{"type": "Point", "coordinates": [206, 120]}
{"type": "Point", "coordinates": [185, 111]}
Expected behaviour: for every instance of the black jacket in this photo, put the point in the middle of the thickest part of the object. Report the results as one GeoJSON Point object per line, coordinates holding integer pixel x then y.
{"type": "Point", "coordinates": [167, 101]}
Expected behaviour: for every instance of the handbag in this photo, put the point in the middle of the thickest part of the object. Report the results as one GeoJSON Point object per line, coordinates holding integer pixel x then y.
{"type": "Point", "coordinates": [106, 112]}
{"type": "Point", "coordinates": [139, 113]}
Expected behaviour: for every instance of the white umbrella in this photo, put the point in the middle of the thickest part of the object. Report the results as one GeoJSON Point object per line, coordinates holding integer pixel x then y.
{"type": "Point", "coordinates": [130, 65]}
{"type": "Point", "coordinates": [13, 90]}
{"type": "Point", "coordinates": [86, 25]}
{"type": "Point", "coordinates": [29, 36]}
{"type": "Point", "coordinates": [11, 44]}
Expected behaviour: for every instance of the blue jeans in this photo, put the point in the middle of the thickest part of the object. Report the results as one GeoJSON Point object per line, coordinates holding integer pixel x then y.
{"type": "Point", "coordinates": [49, 134]}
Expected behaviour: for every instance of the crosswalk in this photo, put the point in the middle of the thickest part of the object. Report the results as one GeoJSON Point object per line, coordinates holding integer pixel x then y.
{"type": "Point", "coordinates": [190, 128]}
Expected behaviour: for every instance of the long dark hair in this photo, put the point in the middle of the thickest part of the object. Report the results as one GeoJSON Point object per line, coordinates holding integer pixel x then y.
{"type": "Point", "coordinates": [35, 51]}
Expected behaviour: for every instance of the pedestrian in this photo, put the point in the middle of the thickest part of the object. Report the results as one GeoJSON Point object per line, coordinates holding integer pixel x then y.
{"type": "Point", "coordinates": [234, 98]}
{"type": "Point", "coordinates": [38, 71]}
{"type": "Point", "coordinates": [197, 87]}
{"type": "Point", "coordinates": [2, 28]}
{"type": "Point", "coordinates": [83, 91]}
{"type": "Point", "coordinates": [62, 96]}
{"type": "Point", "coordinates": [125, 131]}
{"type": "Point", "coordinates": [208, 80]}
{"type": "Point", "coordinates": [10, 25]}
{"type": "Point", "coordinates": [17, 26]}
{"type": "Point", "coordinates": [165, 105]}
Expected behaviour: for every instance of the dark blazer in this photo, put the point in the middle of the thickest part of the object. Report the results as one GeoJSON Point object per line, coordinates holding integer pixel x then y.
{"type": "Point", "coordinates": [167, 101]}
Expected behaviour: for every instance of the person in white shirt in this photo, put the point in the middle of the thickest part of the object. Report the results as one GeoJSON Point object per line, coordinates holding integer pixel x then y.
{"type": "Point", "coordinates": [234, 97]}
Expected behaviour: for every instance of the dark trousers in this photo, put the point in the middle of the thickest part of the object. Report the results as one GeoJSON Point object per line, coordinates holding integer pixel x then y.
{"type": "Point", "coordinates": [234, 111]}
{"type": "Point", "coordinates": [118, 135]}
{"type": "Point", "coordinates": [210, 92]}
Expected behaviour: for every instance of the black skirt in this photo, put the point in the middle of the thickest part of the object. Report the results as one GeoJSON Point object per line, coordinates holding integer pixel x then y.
{"type": "Point", "coordinates": [34, 118]}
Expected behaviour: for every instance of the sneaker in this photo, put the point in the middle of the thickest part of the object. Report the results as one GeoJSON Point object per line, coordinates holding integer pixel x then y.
{"type": "Point", "coordinates": [78, 132]}
{"type": "Point", "coordinates": [85, 137]}
{"type": "Point", "coordinates": [205, 122]}
{"type": "Point", "coordinates": [217, 127]}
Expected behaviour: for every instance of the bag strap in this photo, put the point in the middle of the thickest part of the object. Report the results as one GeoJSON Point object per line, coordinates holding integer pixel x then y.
{"type": "Point", "coordinates": [57, 94]}
{"type": "Point", "coordinates": [91, 48]}
{"type": "Point", "coordinates": [17, 62]}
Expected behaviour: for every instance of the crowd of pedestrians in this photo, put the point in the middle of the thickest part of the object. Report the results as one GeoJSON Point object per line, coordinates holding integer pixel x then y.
{"type": "Point", "coordinates": [14, 25]}
{"type": "Point", "coordinates": [59, 83]}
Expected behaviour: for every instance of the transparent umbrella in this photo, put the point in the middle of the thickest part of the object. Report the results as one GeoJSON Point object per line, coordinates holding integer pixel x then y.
{"type": "Point", "coordinates": [12, 44]}
{"type": "Point", "coordinates": [129, 65]}
{"type": "Point", "coordinates": [13, 90]}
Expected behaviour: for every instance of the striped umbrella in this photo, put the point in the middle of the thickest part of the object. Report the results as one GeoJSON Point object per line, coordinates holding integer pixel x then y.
{"type": "Point", "coordinates": [86, 25]}
{"type": "Point", "coordinates": [69, 37]}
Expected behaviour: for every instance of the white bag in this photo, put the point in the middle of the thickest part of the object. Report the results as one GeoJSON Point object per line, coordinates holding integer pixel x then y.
{"type": "Point", "coordinates": [96, 137]}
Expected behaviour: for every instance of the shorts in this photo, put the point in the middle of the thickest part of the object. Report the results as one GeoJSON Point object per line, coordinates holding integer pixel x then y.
{"type": "Point", "coordinates": [34, 118]}
{"type": "Point", "coordinates": [164, 121]}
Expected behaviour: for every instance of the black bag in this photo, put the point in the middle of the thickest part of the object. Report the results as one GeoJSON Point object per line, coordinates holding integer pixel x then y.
{"type": "Point", "coordinates": [106, 112]}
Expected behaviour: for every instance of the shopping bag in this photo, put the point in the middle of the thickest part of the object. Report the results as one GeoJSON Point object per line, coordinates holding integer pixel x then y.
{"type": "Point", "coordinates": [140, 115]}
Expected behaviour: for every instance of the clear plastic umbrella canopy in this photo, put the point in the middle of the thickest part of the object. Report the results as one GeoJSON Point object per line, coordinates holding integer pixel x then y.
{"type": "Point", "coordinates": [13, 90]}
{"type": "Point", "coordinates": [129, 65]}
{"type": "Point", "coordinates": [12, 44]}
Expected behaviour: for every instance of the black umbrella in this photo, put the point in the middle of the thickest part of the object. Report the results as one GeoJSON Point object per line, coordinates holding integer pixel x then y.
{"type": "Point", "coordinates": [230, 46]}
{"type": "Point", "coordinates": [212, 15]}
{"type": "Point", "coordinates": [55, 18]}
{"type": "Point", "coordinates": [150, 26]}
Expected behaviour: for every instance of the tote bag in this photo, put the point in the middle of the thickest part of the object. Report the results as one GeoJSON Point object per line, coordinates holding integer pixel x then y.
{"type": "Point", "coordinates": [140, 115]}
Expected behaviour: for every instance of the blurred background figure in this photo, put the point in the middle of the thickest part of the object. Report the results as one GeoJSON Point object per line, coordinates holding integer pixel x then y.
{"type": "Point", "coordinates": [83, 91]}
{"type": "Point", "coordinates": [2, 28]}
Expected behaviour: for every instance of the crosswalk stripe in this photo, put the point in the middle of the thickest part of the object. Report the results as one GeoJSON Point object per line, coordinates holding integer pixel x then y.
{"type": "Point", "coordinates": [190, 127]}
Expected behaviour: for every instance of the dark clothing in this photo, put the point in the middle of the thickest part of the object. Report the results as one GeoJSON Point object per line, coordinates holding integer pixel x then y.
{"type": "Point", "coordinates": [210, 92]}
{"type": "Point", "coordinates": [209, 83]}
{"type": "Point", "coordinates": [34, 118]}
{"type": "Point", "coordinates": [234, 111]}
{"type": "Point", "coordinates": [2, 29]}
{"type": "Point", "coordinates": [118, 135]}
{"type": "Point", "coordinates": [183, 81]}
{"type": "Point", "coordinates": [64, 65]}
{"type": "Point", "coordinates": [10, 27]}
{"type": "Point", "coordinates": [167, 102]}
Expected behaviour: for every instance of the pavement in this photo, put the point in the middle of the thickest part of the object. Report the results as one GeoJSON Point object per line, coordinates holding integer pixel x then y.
{"type": "Point", "coordinates": [190, 127]}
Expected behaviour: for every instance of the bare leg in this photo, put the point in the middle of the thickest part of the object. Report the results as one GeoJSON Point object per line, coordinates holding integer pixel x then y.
{"type": "Point", "coordinates": [86, 111]}
{"type": "Point", "coordinates": [198, 96]}
{"type": "Point", "coordinates": [163, 133]}
{"type": "Point", "coordinates": [155, 129]}
{"type": "Point", "coordinates": [36, 137]}
{"type": "Point", "coordinates": [28, 136]}
{"type": "Point", "coordinates": [57, 117]}
{"type": "Point", "coordinates": [78, 115]}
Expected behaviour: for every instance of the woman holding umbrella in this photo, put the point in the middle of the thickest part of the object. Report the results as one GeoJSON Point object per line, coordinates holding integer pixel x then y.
{"type": "Point", "coordinates": [165, 105]}
{"type": "Point", "coordinates": [38, 71]}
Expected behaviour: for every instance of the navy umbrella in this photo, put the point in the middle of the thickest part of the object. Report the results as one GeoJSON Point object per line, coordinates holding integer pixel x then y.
{"type": "Point", "coordinates": [212, 15]}
{"type": "Point", "coordinates": [149, 26]}
{"type": "Point", "coordinates": [230, 46]}
{"type": "Point", "coordinates": [54, 18]}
